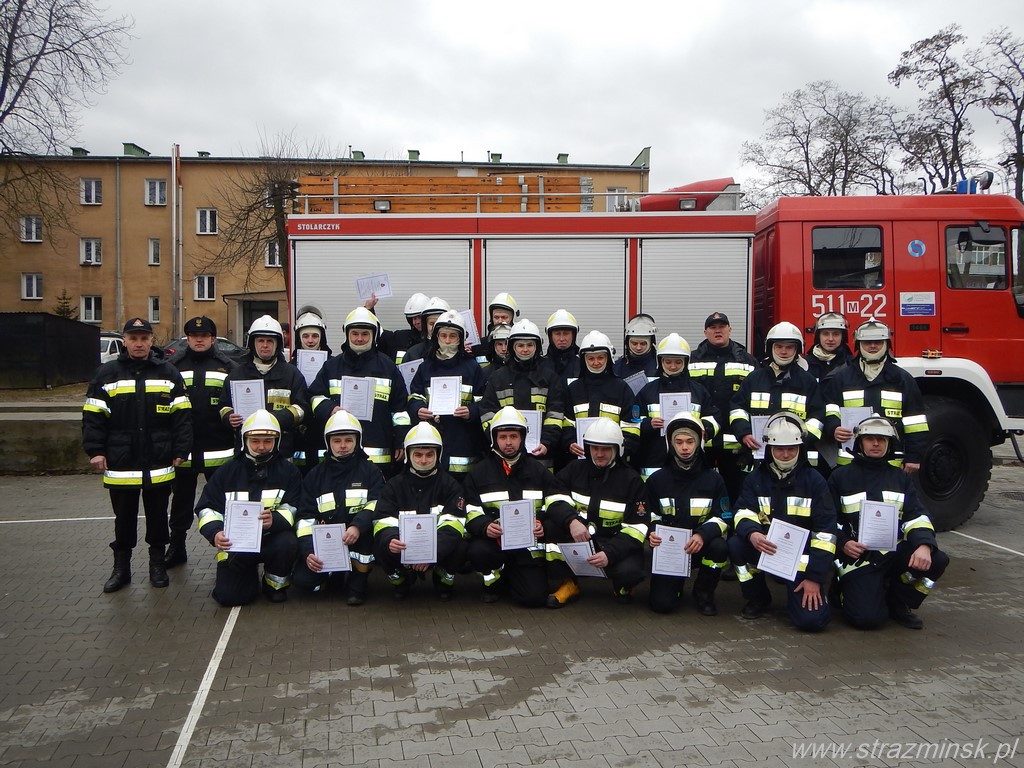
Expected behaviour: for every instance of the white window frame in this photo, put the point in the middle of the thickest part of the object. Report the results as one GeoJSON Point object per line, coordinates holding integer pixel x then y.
{"type": "Point", "coordinates": [154, 252]}
{"type": "Point", "coordinates": [616, 200]}
{"type": "Point", "coordinates": [91, 309]}
{"type": "Point", "coordinates": [205, 288]}
{"type": "Point", "coordinates": [91, 191]}
{"type": "Point", "coordinates": [206, 221]}
{"type": "Point", "coordinates": [31, 229]}
{"type": "Point", "coordinates": [32, 286]}
{"type": "Point", "coordinates": [154, 192]}
{"type": "Point", "coordinates": [272, 255]}
{"type": "Point", "coordinates": [154, 309]}
{"type": "Point", "coordinates": [90, 251]}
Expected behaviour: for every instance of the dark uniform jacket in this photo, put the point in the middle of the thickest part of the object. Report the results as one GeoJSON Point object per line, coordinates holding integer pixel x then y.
{"type": "Point", "coordinates": [694, 498]}
{"type": "Point", "coordinates": [602, 394]}
{"type": "Point", "coordinates": [565, 362]}
{"type": "Point", "coordinates": [286, 397]}
{"type": "Point", "coordinates": [764, 393]}
{"type": "Point", "coordinates": [410, 493]}
{"type": "Point", "coordinates": [528, 386]}
{"type": "Point", "coordinates": [204, 374]}
{"type": "Point", "coordinates": [627, 365]}
{"type": "Point", "coordinates": [721, 370]}
{"type": "Point", "coordinates": [653, 450]}
{"type": "Point", "coordinates": [822, 369]}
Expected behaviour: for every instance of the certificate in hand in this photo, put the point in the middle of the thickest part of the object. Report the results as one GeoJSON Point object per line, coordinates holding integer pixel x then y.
{"type": "Point", "coordinates": [419, 533]}
{"type": "Point", "coordinates": [516, 520]}
{"type": "Point", "coordinates": [248, 396]}
{"type": "Point", "coordinates": [851, 416]}
{"type": "Point", "coordinates": [379, 285]}
{"type": "Point", "coordinates": [242, 525]}
{"type": "Point", "coordinates": [357, 396]}
{"type": "Point", "coordinates": [310, 361]}
{"type": "Point", "coordinates": [672, 403]}
{"type": "Point", "coordinates": [408, 371]}
{"type": "Point", "coordinates": [582, 425]}
{"type": "Point", "coordinates": [328, 546]}
{"type": "Point", "coordinates": [790, 541]}
{"type": "Point", "coordinates": [576, 555]}
{"type": "Point", "coordinates": [670, 557]}
{"type": "Point", "coordinates": [878, 525]}
{"type": "Point", "coordinates": [757, 430]}
{"type": "Point", "coordinates": [472, 332]}
{"type": "Point", "coordinates": [533, 429]}
{"type": "Point", "coordinates": [445, 395]}
{"type": "Point", "coordinates": [637, 381]}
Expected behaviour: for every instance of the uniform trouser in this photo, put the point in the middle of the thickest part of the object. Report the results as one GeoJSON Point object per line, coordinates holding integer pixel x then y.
{"type": "Point", "coordinates": [522, 573]}
{"type": "Point", "coordinates": [731, 467]}
{"type": "Point", "coordinates": [361, 552]}
{"type": "Point", "coordinates": [125, 502]}
{"type": "Point", "coordinates": [184, 500]}
{"type": "Point", "coordinates": [238, 575]}
{"type": "Point", "coordinates": [754, 587]}
{"type": "Point", "coordinates": [451, 552]}
{"type": "Point", "coordinates": [665, 590]}
{"type": "Point", "coordinates": [866, 592]}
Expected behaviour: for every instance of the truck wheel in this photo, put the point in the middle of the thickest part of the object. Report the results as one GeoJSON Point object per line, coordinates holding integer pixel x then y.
{"type": "Point", "coordinates": [957, 463]}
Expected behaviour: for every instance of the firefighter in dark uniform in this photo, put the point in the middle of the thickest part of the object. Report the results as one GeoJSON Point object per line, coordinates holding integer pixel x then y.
{"type": "Point", "coordinates": [497, 349]}
{"type": "Point", "coordinates": [610, 510]}
{"type": "Point", "coordinates": [342, 489]}
{"type": "Point", "coordinates": [433, 309]}
{"type": "Point", "coordinates": [284, 388]}
{"type": "Point", "coordinates": [257, 473]}
{"type": "Point", "coordinates": [383, 433]}
{"type": "Point", "coordinates": [404, 339]}
{"type": "Point", "coordinates": [874, 380]}
{"type": "Point", "coordinates": [720, 365]}
{"type": "Point", "coordinates": [503, 310]}
{"type": "Point", "coordinates": [784, 487]}
{"type": "Point", "coordinates": [136, 428]}
{"type": "Point", "coordinates": [509, 473]}
{"type": "Point", "coordinates": [639, 354]}
{"type": "Point", "coordinates": [673, 354]}
{"type": "Point", "coordinates": [831, 350]}
{"type": "Point", "coordinates": [687, 493]}
{"type": "Point", "coordinates": [563, 355]}
{"type": "Point", "coordinates": [204, 370]}
{"type": "Point", "coordinates": [875, 585]}
{"type": "Point", "coordinates": [526, 383]}
{"type": "Point", "coordinates": [425, 487]}
{"type": "Point", "coordinates": [310, 333]}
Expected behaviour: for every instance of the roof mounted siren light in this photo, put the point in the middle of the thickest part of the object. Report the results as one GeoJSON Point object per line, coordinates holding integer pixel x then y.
{"type": "Point", "coordinates": [975, 184]}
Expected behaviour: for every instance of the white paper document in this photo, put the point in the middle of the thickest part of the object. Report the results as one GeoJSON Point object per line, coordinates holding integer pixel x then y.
{"type": "Point", "coordinates": [583, 423]}
{"type": "Point", "coordinates": [357, 396]}
{"type": "Point", "coordinates": [672, 403]}
{"type": "Point", "coordinates": [328, 546]}
{"type": "Point", "coordinates": [637, 381]}
{"type": "Point", "coordinates": [419, 533]}
{"type": "Point", "coordinates": [533, 429]}
{"type": "Point", "coordinates": [670, 557]}
{"type": "Point", "coordinates": [242, 525]}
{"type": "Point", "coordinates": [379, 285]}
{"type": "Point", "coordinates": [310, 361]}
{"type": "Point", "coordinates": [472, 332]}
{"type": "Point", "coordinates": [445, 395]}
{"type": "Point", "coordinates": [757, 430]}
{"type": "Point", "coordinates": [408, 371]}
{"type": "Point", "coordinates": [851, 416]}
{"type": "Point", "coordinates": [879, 525]}
{"type": "Point", "coordinates": [576, 555]}
{"type": "Point", "coordinates": [516, 520]}
{"type": "Point", "coordinates": [790, 541]}
{"type": "Point", "coordinates": [248, 396]}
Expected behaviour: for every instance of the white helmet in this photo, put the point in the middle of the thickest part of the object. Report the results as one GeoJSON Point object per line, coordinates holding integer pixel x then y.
{"type": "Point", "coordinates": [831, 321]}
{"type": "Point", "coordinates": [423, 435]}
{"type": "Point", "coordinates": [309, 320]}
{"type": "Point", "coordinates": [449, 319]}
{"type": "Point", "coordinates": [524, 330]}
{"type": "Point", "coordinates": [414, 306]}
{"type": "Point", "coordinates": [784, 428]}
{"type": "Point", "coordinates": [604, 431]}
{"type": "Point", "coordinates": [508, 418]}
{"type": "Point", "coordinates": [784, 332]}
{"type": "Point", "coordinates": [876, 425]}
{"type": "Point", "coordinates": [872, 330]}
{"type": "Point", "coordinates": [361, 317]}
{"type": "Point", "coordinates": [435, 306]}
{"type": "Point", "coordinates": [503, 301]}
{"type": "Point", "coordinates": [683, 420]}
{"type": "Point", "coordinates": [561, 318]}
{"type": "Point", "coordinates": [641, 325]}
{"type": "Point", "coordinates": [265, 325]}
{"type": "Point", "coordinates": [343, 421]}
{"type": "Point", "coordinates": [673, 345]}
{"type": "Point", "coordinates": [261, 423]}
{"type": "Point", "coordinates": [595, 341]}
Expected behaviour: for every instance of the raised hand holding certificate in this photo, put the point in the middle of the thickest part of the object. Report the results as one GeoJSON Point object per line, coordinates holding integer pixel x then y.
{"type": "Point", "coordinates": [242, 525]}
{"type": "Point", "coordinates": [328, 546]}
{"type": "Point", "coordinates": [445, 395]}
{"type": "Point", "coordinates": [878, 525]}
{"type": "Point", "coordinates": [310, 361]}
{"type": "Point", "coordinates": [374, 285]}
{"type": "Point", "coordinates": [419, 534]}
{"type": "Point", "coordinates": [516, 520]}
{"type": "Point", "coordinates": [670, 557]}
{"type": "Point", "coordinates": [248, 396]}
{"type": "Point", "coordinates": [357, 396]}
{"type": "Point", "coordinates": [790, 541]}
{"type": "Point", "coordinates": [576, 555]}
{"type": "Point", "coordinates": [672, 403]}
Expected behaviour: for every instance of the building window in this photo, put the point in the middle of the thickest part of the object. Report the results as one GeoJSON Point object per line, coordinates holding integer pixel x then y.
{"type": "Point", "coordinates": [91, 251]}
{"type": "Point", "coordinates": [206, 287]}
{"type": "Point", "coordinates": [32, 229]}
{"type": "Point", "coordinates": [206, 221]}
{"type": "Point", "coordinates": [92, 191]}
{"type": "Point", "coordinates": [32, 285]}
{"type": "Point", "coordinates": [156, 192]}
{"type": "Point", "coordinates": [272, 257]}
{"type": "Point", "coordinates": [154, 251]}
{"type": "Point", "coordinates": [154, 309]}
{"type": "Point", "coordinates": [847, 257]}
{"type": "Point", "coordinates": [616, 200]}
{"type": "Point", "coordinates": [92, 309]}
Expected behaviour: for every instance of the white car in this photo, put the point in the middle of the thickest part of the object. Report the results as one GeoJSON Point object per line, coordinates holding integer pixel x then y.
{"type": "Point", "coordinates": [111, 345]}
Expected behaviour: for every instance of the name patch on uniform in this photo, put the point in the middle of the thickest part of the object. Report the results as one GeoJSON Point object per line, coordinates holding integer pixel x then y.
{"type": "Point", "coordinates": [163, 409]}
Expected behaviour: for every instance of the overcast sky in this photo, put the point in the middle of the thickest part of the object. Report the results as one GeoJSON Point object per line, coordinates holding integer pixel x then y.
{"type": "Point", "coordinates": [599, 80]}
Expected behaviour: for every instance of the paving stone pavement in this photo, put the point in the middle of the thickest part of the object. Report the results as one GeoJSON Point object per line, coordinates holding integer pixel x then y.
{"type": "Point", "coordinates": [88, 679]}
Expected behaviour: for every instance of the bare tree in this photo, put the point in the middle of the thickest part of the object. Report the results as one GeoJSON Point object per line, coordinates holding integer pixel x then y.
{"type": "Point", "coordinates": [1000, 64]}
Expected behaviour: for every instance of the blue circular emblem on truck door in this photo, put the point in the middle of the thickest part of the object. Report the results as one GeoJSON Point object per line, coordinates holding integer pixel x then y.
{"type": "Point", "coordinates": [916, 248]}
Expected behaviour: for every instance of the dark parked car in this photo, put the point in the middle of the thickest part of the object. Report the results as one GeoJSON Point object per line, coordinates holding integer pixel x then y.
{"type": "Point", "coordinates": [225, 346]}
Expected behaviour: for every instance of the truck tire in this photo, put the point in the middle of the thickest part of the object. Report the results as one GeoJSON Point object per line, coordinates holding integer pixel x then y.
{"type": "Point", "coordinates": [957, 463]}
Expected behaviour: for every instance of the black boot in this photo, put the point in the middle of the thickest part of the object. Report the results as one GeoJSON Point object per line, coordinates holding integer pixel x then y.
{"type": "Point", "coordinates": [357, 583]}
{"type": "Point", "coordinates": [759, 598]}
{"type": "Point", "coordinates": [121, 576]}
{"type": "Point", "coordinates": [157, 569]}
{"type": "Point", "coordinates": [900, 612]}
{"type": "Point", "coordinates": [704, 591]}
{"type": "Point", "coordinates": [177, 553]}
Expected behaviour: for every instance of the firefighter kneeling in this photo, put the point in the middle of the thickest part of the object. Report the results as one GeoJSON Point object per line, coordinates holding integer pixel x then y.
{"type": "Point", "coordinates": [258, 473]}
{"type": "Point", "coordinates": [875, 585]}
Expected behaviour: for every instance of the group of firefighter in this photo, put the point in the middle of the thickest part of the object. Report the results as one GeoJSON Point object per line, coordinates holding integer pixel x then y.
{"type": "Point", "coordinates": [154, 424]}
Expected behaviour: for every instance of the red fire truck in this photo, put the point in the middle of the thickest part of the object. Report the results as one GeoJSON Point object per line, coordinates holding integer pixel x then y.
{"type": "Point", "coordinates": [943, 271]}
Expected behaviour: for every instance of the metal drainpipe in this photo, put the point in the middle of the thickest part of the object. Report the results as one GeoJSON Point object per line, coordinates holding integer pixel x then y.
{"type": "Point", "coordinates": [118, 291]}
